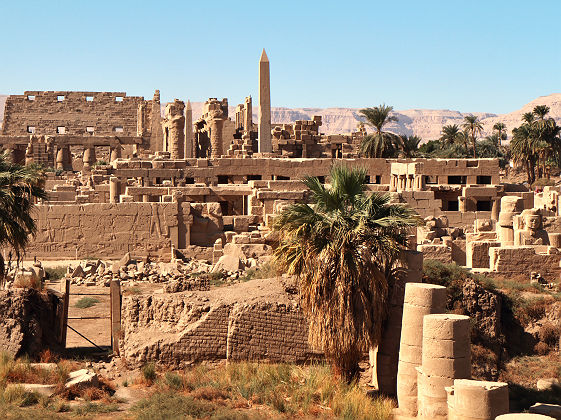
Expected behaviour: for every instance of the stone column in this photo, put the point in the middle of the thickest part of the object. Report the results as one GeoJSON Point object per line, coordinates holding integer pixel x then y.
{"type": "Point", "coordinates": [265, 141]}
{"type": "Point", "coordinates": [446, 355]}
{"type": "Point", "coordinates": [89, 158]}
{"type": "Point", "coordinates": [384, 372]}
{"type": "Point", "coordinates": [524, 416]}
{"type": "Point", "coordinates": [462, 204]}
{"type": "Point", "coordinates": [29, 154]}
{"type": "Point", "coordinates": [216, 126]}
{"type": "Point", "coordinates": [510, 207]}
{"type": "Point", "coordinates": [420, 300]}
{"type": "Point", "coordinates": [115, 153]}
{"type": "Point", "coordinates": [114, 189]}
{"type": "Point", "coordinates": [188, 153]}
{"type": "Point", "coordinates": [59, 161]}
{"type": "Point", "coordinates": [495, 209]}
{"type": "Point", "coordinates": [477, 400]}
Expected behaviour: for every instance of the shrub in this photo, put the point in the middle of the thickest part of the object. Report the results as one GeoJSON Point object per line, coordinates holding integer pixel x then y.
{"type": "Point", "coordinates": [86, 302]}
{"type": "Point", "coordinates": [541, 348]}
{"type": "Point", "coordinates": [549, 334]}
{"type": "Point", "coordinates": [149, 372]}
{"type": "Point", "coordinates": [55, 273]}
{"type": "Point", "coordinates": [173, 380]}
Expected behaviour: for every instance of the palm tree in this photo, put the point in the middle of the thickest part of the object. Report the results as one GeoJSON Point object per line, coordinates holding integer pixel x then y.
{"type": "Point", "coordinates": [473, 128]}
{"type": "Point", "coordinates": [20, 186]}
{"type": "Point", "coordinates": [450, 134]}
{"type": "Point", "coordinates": [522, 149]}
{"type": "Point", "coordinates": [408, 146]}
{"type": "Point", "coordinates": [343, 248]}
{"type": "Point", "coordinates": [381, 143]}
{"type": "Point", "coordinates": [501, 133]}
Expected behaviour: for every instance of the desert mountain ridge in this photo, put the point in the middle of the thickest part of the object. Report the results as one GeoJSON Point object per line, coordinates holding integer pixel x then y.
{"type": "Point", "coordinates": [425, 123]}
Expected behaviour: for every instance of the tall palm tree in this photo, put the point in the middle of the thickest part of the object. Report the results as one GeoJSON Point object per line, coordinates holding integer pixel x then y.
{"type": "Point", "coordinates": [522, 149]}
{"type": "Point", "coordinates": [343, 248]}
{"type": "Point", "coordinates": [500, 128]}
{"type": "Point", "coordinates": [450, 134]}
{"type": "Point", "coordinates": [20, 186]}
{"type": "Point", "coordinates": [473, 127]}
{"type": "Point", "coordinates": [381, 143]}
{"type": "Point", "coordinates": [408, 146]}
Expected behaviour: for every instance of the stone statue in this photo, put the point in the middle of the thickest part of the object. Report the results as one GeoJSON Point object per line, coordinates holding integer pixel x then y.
{"type": "Point", "coordinates": [532, 232]}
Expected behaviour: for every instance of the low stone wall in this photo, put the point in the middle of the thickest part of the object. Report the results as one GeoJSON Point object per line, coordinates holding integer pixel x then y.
{"type": "Point", "coordinates": [256, 320]}
{"type": "Point", "coordinates": [28, 322]}
{"type": "Point", "coordinates": [525, 260]}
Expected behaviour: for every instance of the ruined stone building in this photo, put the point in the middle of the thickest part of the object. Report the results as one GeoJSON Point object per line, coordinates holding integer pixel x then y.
{"type": "Point", "coordinates": [197, 183]}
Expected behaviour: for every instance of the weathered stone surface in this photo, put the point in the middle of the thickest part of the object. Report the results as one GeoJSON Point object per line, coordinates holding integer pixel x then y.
{"type": "Point", "coordinates": [27, 321]}
{"type": "Point", "coordinates": [252, 320]}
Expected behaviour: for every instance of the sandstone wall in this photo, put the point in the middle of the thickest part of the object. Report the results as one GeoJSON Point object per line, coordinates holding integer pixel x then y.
{"type": "Point", "coordinates": [45, 112]}
{"type": "Point", "coordinates": [102, 230]}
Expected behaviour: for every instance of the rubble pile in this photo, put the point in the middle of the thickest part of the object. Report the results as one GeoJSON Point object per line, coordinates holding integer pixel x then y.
{"type": "Point", "coordinates": [129, 270]}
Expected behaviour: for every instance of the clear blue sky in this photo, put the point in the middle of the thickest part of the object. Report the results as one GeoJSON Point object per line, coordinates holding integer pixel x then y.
{"type": "Point", "coordinates": [492, 56]}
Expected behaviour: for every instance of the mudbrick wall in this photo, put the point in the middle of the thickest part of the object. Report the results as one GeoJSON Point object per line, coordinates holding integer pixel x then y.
{"type": "Point", "coordinates": [28, 322]}
{"type": "Point", "coordinates": [179, 329]}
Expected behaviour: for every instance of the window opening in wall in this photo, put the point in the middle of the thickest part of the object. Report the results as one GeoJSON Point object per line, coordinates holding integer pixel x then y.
{"type": "Point", "coordinates": [472, 163]}
{"type": "Point", "coordinates": [89, 98]}
{"type": "Point", "coordinates": [223, 179]}
{"type": "Point", "coordinates": [452, 205]}
{"type": "Point", "coordinates": [60, 98]}
{"type": "Point", "coordinates": [254, 177]}
{"type": "Point", "coordinates": [457, 179]}
{"type": "Point", "coordinates": [189, 180]}
{"type": "Point", "coordinates": [118, 99]}
{"type": "Point", "coordinates": [30, 97]}
{"type": "Point", "coordinates": [225, 208]}
{"type": "Point", "coordinates": [321, 179]}
{"type": "Point", "coordinates": [367, 179]}
{"type": "Point", "coordinates": [90, 130]}
{"type": "Point", "coordinates": [483, 179]}
{"type": "Point", "coordinates": [431, 179]}
{"type": "Point", "coordinates": [31, 129]}
{"type": "Point", "coordinates": [378, 179]}
{"type": "Point", "coordinates": [483, 205]}
{"type": "Point", "coordinates": [61, 129]}
{"type": "Point", "coordinates": [283, 178]}
{"type": "Point", "coordinates": [118, 129]}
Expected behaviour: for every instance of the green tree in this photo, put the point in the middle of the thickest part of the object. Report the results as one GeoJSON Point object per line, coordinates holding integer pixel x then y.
{"type": "Point", "coordinates": [20, 186]}
{"type": "Point", "coordinates": [343, 248]}
{"type": "Point", "coordinates": [381, 144]}
{"type": "Point", "coordinates": [500, 128]}
{"type": "Point", "coordinates": [473, 128]}
{"type": "Point", "coordinates": [450, 135]}
{"type": "Point", "coordinates": [408, 146]}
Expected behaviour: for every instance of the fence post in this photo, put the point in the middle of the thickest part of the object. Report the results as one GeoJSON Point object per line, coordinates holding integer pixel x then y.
{"type": "Point", "coordinates": [115, 297]}
{"type": "Point", "coordinates": [65, 285]}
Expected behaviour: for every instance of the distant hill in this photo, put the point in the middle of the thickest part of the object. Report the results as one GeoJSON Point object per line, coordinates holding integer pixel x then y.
{"type": "Point", "coordinates": [425, 123]}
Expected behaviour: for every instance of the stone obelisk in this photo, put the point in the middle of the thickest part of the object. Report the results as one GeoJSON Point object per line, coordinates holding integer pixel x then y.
{"type": "Point", "coordinates": [265, 144]}
{"type": "Point", "coordinates": [188, 131]}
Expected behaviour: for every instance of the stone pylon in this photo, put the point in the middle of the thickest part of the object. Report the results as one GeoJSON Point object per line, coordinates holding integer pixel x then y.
{"type": "Point", "coordinates": [188, 131]}
{"type": "Point", "coordinates": [265, 143]}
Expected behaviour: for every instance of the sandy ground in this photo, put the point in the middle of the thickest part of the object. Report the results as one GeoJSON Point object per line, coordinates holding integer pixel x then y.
{"type": "Point", "coordinates": [97, 330]}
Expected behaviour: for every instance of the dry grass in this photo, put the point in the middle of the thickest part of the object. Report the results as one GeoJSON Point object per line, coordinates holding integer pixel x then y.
{"type": "Point", "coordinates": [252, 390]}
{"type": "Point", "coordinates": [21, 371]}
